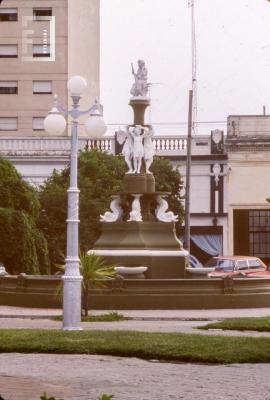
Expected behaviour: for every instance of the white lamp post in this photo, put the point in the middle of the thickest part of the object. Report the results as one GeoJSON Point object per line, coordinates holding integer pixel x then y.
{"type": "Point", "coordinates": [55, 124]}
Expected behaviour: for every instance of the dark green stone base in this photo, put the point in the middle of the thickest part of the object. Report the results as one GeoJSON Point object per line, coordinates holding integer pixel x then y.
{"type": "Point", "coordinates": [152, 235]}
{"type": "Point", "coordinates": [127, 294]}
{"type": "Point", "coordinates": [158, 267]}
{"type": "Point", "coordinates": [138, 183]}
{"type": "Point", "coordinates": [150, 243]}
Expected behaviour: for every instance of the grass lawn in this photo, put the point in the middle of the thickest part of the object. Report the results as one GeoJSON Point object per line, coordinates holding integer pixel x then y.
{"type": "Point", "coordinates": [162, 346]}
{"type": "Point", "coordinates": [112, 316]}
{"type": "Point", "coordinates": [260, 324]}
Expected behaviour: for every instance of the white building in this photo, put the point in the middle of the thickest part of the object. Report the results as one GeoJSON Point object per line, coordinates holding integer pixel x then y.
{"type": "Point", "coordinates": [248, 149]}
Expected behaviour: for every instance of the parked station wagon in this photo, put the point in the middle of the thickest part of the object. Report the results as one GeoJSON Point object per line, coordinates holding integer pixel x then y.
{"type": "Point", "coordinates": [235, 266]}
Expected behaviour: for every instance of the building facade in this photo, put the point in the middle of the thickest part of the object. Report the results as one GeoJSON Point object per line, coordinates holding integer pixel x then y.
{"type": "Point", "coordinates": [42, 44]}
{"type": "Point", "coordinates": [208, 195]}
{"type": "Point", "coordinates": [248, 150]}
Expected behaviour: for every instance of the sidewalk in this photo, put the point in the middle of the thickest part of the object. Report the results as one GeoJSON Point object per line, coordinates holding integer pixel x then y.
{"type": "Point", "coordinates": [213, 314]}
{"type": "Point", "coordinates": [179, 321]}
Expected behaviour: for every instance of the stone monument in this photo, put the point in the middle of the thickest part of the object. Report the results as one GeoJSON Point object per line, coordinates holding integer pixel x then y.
{"type": "Point", "coordinates": [139, 237]}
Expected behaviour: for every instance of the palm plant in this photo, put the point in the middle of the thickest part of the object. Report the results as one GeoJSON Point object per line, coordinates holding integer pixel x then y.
{"type": "Point", "coordinates": [95, 271]}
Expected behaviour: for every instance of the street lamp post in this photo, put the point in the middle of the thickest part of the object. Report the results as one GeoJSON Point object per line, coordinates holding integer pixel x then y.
{"type": "Point", "coordinates": [55, 124]}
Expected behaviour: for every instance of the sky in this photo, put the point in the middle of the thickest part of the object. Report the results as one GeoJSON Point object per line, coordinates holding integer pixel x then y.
{"type": "Point", "coordinates": [233, 60]}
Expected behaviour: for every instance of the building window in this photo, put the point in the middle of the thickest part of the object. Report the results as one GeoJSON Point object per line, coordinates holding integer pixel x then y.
{"type": "Point", "coordinates": [42, 87]}
{"type": "Point", "coordinates": [259, 233]}
{"type": "Point", "coordinates": [8, 124]}
{"type": "Point", "coordinates": [39, 13]}
{"type": "Point", "coordinates": [8, 14]}
{"type": "Point", "coordinates": [8, 51]}
{"type": "Point", "coordinates": [38, 123]}
{"type": "Point", "coordinates": [41, 50]}
{"type": "Point", "coordinates": [8, 87]}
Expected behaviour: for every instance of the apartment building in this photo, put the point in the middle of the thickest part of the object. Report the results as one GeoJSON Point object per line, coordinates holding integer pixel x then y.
{"type": "Point", "coordinates": [42, 44]}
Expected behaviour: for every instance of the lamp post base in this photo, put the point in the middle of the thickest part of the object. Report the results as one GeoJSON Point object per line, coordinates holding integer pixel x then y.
{"type": "Point", "coordinates": [79, 328]}
{"type": "Point", "coordinates": [72, 302]}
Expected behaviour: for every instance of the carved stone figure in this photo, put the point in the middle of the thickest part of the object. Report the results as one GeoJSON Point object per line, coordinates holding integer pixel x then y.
{"type": "Point", "coordinates": [127, 150]}
{"type": "Point", "coordinates": [149, 149]}
{"type": "Point", "coordinates": [138, 150]}
{"type": "Point", "coordinates": [116, 213]}
{"type": "Point", "coordinates": [216, 172]}
{"type": "Point", "coordinates": [140, 86]}
{"type": "Point", "coordinates": [161, 210]}
{"type": "Point", "coordinates": [135, 213]}
{"type": "Point", "coordinates": [138, 144]}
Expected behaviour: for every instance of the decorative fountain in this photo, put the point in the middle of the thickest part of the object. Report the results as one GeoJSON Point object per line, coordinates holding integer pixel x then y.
{"type": "Point", "coordinates": [142, 243]}
{"type": "Point", "coordinates": [139, 242]}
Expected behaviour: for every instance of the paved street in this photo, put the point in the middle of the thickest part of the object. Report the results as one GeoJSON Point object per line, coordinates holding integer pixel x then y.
{"type": "Point", "coordinates": [85, 377]}
{"type": "Point", "coordinates": [182, 321]}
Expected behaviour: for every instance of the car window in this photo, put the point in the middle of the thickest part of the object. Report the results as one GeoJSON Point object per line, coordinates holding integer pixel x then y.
{"type": "Point", "coordinates": [242, 264]}
{"type": "Point", "coordinates": [225, 265]}
{"type": "Point", "coordinates": [212, 263]}
{"type": "Point", "coordinates": [254, 264]}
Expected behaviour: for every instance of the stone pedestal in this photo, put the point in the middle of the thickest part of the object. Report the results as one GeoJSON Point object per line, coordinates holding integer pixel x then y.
{"type": "Point", "coordinates": [139, 105]}
{"type": "Point", "coordinates": [152, 244]}
{"type": "Point", "coordinates": [139, 183]}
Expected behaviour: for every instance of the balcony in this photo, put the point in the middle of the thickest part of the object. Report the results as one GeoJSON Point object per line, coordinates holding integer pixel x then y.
{"type": "Point", "coordinates": [170, 146]}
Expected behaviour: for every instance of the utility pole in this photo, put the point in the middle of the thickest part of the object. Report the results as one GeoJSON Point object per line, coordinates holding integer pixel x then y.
{"type": "Point", "coordinates": [193, 66]}
{"type": "Point", "coordinates": [188, 165]}
{"type": "Point", "coordinates": [192, 121]}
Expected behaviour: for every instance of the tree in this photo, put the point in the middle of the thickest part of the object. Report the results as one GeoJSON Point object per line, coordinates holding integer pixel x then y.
{"type": "Point", "coordinates": [23, 247]}
{"type": "Point", "coordinates": [99, 176]}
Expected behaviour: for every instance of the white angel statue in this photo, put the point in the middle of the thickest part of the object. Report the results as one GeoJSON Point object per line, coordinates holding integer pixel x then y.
{"type": "Point", "coordinates": [138, 150]}
{"type": "Point", "coordinates": [149, 149]}
{"type": "Point", "coordinates": [127, 150]}
{"type": "Point", "coordinates": [138, 144]}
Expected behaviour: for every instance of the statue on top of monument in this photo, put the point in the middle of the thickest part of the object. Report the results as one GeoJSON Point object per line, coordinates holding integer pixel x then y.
{"type": "Point", "coordinates": [137, 145]}
{"type": "Point", "coordinates": [140, 86]}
